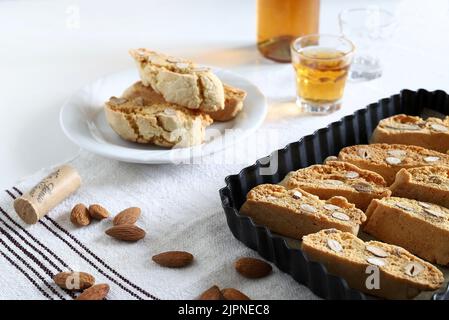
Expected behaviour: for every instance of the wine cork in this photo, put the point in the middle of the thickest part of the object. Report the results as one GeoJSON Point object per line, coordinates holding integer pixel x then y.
{"type": "Point", "coordinates": [47, 194]}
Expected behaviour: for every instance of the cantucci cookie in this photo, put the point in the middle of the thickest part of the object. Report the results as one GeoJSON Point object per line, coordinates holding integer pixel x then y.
{"type": "Point", "coordinates": [432, 133]}
{"type": "Point", "coordinates": [420, 227]}
{"type": "Point", "coordinates": [162, 124]}
{"type": "Point", "coordinates": [388, 159]}
{"type": "Point", "coordinates": [234, 99]}
{"type": "Point", "coordinates": [373, 267]}
{"type": "Point", "coordinates": [337, 178]}
{"type": "Point", "coordinates": [180, 81]}
{"type": "Point", "coordinates": [295, 213]}
{"type": "Point", "coordinates": [428, 183]}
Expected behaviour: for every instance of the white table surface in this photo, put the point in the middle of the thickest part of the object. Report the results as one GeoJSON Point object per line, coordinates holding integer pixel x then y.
{"type": "Point", "coordinates": [51, 48]}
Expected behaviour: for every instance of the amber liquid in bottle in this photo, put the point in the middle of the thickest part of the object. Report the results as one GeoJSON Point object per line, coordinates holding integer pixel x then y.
{"type": "Point", "coordinates": [279, 22]}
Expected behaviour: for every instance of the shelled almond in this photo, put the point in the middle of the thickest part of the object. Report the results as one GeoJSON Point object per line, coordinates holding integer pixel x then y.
{"type": "Point", "coordinates": [74, 281]}
{"type": "Point", "coordinates": [98, 212]}
{"type": "Point", "coordinates": [127, 216]}
{"type": "Point", "coordinates": [80, 215]}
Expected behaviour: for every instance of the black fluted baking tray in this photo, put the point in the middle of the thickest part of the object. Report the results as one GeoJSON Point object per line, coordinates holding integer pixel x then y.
{"type": "Point", "coordinates": [312, 149]}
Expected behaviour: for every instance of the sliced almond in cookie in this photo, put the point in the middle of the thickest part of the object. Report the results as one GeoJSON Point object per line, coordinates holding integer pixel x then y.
{"type": "Point", "coordinates": [438, 127]}
{"type": "Point", "coordinates": [271, 198]}
{"type": "Point", "coordinates": [330, 158]}
{"type": "Point", "coordinates": [378, 252]}
{"type": "Point", "coordinates": [340, 216]}
{"type": "Point", "coordinates": [413, 269]}
{"type": "Point", "coordinates": [402, 126]}
{"type": "Point", "coordinates": [351, 175]}
{"type": "Point", "coordinates": [424, 205]}
{"type": "Point", "coordinates": [404, 206]}
{"type": "Point", "coordinates": [364, 153]}
{"type": "Point", "coordinates": [363, 187]}
{"type": "Point", "coordinates": [334, 245]}
{"type": "Point", "coordinates": [376, 261]}
{"type": "Point", "coordinates": [331, 207]}
{"type": "Point", "coordinates": [308, 208]}
{"type": "Point", "coordinates": [397, 153]}
{"type": "Point", "coordinates": [333, 182]}
{"type": "Point", "coordinates": [431, 159]}
{"type": "Point", "coordinates": [392, 160]}
{"type": "Point", "coordinates": [434, 213]}
{"type": "Point", "coordinates": [182, 65]}
{"type": "Point", "coordinates": [297, 194]}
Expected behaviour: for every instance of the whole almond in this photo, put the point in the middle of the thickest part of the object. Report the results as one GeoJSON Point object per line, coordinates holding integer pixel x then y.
{"type": "Point", "coordinates": [127, 216]}
{"type": "Point", "coordinates": [213, 293]}
{"type": "Point", "coordinates": [96, 292]}
{"type": "Point", "coordinates": [252, 268]}
{"type": "Point", "coordinates": [173, 259]}
{"type": "Point", "coordinates": [234, 294]}
{"type": "Point", "coordinates": [80, 215]}
{"type": "Point", "coordinates": [74, 281]}
{"type": "Point", "coordinates": [126, 232]}
{"type": "Point", "coordinates": [98, 212]}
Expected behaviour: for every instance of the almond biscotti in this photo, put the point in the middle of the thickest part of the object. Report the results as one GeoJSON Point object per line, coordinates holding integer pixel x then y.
{"type": "Point", "coordinates": [401, 275]}
{"type": "Point", "coordinates": [337, 178]}
{"type": "Point", "coordinates": [234, 99]}
{"type": "Point", "coordinates": [428, 183]}
{"type": "Point", "coordinates": [162, 124]}
{"type": "Point", "coordinates": [388, 159]}
{"type": "Point", "coordinates": [295, 213]}
{"type": "Point", "coordinates": [180, 81]}
{"type": "Point", "coordinates": [420, 227]}
{"type": "Point", "coordinates": [432, 133]}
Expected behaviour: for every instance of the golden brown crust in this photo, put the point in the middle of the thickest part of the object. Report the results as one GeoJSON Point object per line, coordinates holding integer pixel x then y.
{"type": "Point", "coordinates": [339, 178]}
{"type": "Point", "coordinates": [428, 183]}
{"type": "Point", "coordinates": [432, 133]}
{"type": "Point", "coordinates": [420, 227]}
{"type": "Point", "coordinates": [388, 159]}
{"type": "Point", "coordinates": [162, 124]}
{"type": "Point", "coordinates": [294, 212]}
{"type": "Point", "coordinates": [402, 275]}
{"type": "Point", "coordinates": [180, 81]}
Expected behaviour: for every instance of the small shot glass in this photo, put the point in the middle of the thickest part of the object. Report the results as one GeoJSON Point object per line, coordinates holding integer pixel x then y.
{"type": "Point", "coordinates": [370, 29]}
{"type": "Point", "coordinates": [321, 63]}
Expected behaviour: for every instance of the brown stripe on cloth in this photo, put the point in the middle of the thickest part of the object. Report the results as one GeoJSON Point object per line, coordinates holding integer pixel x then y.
{"type": "Point", "coordinates": [12, 230]}
{"type": "Point", "coordinates": [13, 263]}
{"type": "Point", "coordinates": [26, 264]}
{"type": "Point", "coordinates": [31, 257]}
{"type": "Point", "coordinates": [98, 259]}
{"type": "Point", "coordinates": [35, 240]}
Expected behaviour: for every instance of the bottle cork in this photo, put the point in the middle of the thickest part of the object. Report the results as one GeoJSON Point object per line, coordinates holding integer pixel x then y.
{"type": "Point", "coordinates": [47, 194]}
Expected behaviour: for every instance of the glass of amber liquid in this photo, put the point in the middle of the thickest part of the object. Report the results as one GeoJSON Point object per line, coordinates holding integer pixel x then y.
{"type": "Point", "coordinates": [321, 64]}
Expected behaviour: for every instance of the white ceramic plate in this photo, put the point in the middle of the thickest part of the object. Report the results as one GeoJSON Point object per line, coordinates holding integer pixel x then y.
{"type": "Point", "coordinates": [83, 121]}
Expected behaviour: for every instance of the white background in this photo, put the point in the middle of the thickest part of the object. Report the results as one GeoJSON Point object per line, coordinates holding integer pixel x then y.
{"type": "Point", "coordinates": [49, 49]}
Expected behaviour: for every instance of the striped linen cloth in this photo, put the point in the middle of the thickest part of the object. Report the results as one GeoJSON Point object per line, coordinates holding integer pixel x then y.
{"type": "Point", "coordinates": [180, 211]}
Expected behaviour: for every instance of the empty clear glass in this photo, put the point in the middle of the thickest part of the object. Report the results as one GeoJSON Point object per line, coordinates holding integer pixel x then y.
{"type": "Point", "coordinates": [369, 29]}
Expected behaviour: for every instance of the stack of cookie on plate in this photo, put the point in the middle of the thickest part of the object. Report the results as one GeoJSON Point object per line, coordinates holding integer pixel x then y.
{"type": "Point", "coordinates": [173, 103]}
{"type": "Point", "coordinates": [395, 189]}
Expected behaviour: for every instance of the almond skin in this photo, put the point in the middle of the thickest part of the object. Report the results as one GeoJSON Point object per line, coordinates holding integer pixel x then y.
{"type": "Point", "coordinates": [173, 259]}
{"type": "Point", "coordinates": [126, 232]}
{"type": "Point", "coordinates": [74, 281]}
{"type": "Point", "coordinates": [96, 292]}
{"type": "Point", "coordinates": [234, 294]}
{"type": "Point", "coordinates": [127, 216]}
{"type": "Point", "coordinates": [252, 268]}
{"type": "Point", "coordinates": [98, 212]}
{"type": "Point", "coordinates": [80, 215]}
{"type": "Point", "coordinates": [213, 293]}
